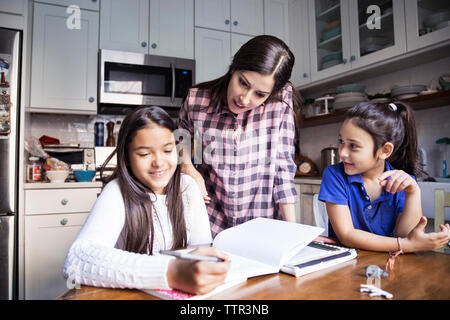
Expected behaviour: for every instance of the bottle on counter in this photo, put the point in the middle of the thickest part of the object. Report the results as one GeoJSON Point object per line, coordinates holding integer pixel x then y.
{"type": "Point", "coordinates": [99, 132]}
{"type": "Point", "coordinates": [34, 170]}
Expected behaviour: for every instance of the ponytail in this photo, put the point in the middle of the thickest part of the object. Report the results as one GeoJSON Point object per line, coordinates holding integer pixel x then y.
{"type": "Point", "coordinates": [406, 156]}
{"type": "Point", "coordinates": [394, 123]}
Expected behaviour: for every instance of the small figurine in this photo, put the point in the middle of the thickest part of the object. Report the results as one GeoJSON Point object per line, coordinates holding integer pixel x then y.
{"type": "Point", "coordinates": [375, 271]}
{"type": "Point", "coordinates": [375, 291]}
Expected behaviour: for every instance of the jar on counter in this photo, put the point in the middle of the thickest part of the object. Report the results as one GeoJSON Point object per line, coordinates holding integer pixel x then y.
{"type": "Point", "coordinates": [34, 170]}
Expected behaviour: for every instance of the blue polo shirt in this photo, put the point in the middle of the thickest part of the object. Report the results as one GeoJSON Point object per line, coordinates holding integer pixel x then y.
{"type": "Point", "coordinates": [377, 217]}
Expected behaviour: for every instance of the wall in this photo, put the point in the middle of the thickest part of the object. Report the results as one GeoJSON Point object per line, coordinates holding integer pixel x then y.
{"type": "Point", "coordinates": [432, 124]}
{"type": "Point", "coordinates": [69, 128]}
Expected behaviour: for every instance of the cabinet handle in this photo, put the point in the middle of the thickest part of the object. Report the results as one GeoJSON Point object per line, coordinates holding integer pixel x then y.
{"type": "Point", "coordinates": [344, 61]}
{"type": "Point", "coordinates": [305, 75]}
{"type": "Point", "coordinates": [235, 23]}
{"type": "Point", "coordinates": [143, 44]}
{"type": "Point", "coordinates": [64, 221]}
{"type": "Point", "coordinates": [352, 58]}
{"type": "Point", "coordinates": [64, 202]}
{"type": "Point", "coordinates": [227, 21]}
{"type": "Point", "coordinates": [154, 45]}
{"type": "Point", "coordinates": [91, 99]}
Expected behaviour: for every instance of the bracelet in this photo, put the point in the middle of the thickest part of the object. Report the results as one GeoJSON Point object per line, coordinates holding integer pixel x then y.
{"type": "Point", "coordinates": [392, 255]}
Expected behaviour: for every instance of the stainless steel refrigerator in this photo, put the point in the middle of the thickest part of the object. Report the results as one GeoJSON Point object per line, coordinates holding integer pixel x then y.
{"type": "Point", "coordinates": [10, 62]}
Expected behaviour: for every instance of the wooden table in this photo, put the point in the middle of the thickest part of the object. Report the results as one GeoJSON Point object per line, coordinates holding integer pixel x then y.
{"type": "Point", "coordinates": [423, 275]}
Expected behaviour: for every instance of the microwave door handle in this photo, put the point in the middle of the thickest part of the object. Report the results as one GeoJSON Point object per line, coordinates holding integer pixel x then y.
{"type": "Point", "coordinates": [172, 96]}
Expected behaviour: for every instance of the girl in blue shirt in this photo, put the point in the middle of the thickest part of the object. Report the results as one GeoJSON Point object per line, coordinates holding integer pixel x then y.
{"type": "Point", "coordinates": [372, 198]}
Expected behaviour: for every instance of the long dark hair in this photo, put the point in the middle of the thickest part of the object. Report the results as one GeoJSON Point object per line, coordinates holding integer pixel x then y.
{"type": "Point", "coordinates": [139, 223]}
{"type": "Point", "coordinates": [263, 54]}
{"type": "Point", "coordinates": [390, 123]}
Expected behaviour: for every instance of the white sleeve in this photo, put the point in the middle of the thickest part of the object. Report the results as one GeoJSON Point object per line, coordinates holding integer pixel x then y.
{"type": "Point", "coordinates": [197, 220]}
{"type": "Point", "coordinates": [93, 259]}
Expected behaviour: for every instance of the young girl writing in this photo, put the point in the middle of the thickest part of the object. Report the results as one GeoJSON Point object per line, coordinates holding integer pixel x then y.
{"type": "Point", "coordinates": [147, 206]}
{"type": "Point", "coordinates": [372, 198]}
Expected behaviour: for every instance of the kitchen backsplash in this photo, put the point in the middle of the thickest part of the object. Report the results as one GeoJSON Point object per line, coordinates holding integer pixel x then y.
{"type": "Point", "coordinates": [70, 128]}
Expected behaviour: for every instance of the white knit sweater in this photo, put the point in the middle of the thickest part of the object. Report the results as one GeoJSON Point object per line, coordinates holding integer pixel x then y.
{"type": "Point", "coordinates": [95, 257]}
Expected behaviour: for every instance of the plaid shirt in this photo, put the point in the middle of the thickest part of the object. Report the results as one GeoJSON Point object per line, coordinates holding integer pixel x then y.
{"type": "Point", "coordinates": [247, 160]}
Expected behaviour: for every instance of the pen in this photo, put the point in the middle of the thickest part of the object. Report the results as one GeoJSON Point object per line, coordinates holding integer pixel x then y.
{"type": "Point", "coordinates": [189, 256]}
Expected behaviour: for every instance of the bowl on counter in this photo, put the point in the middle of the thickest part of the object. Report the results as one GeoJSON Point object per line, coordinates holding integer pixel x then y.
{"type": "Point", "coordinates": [57, 175]}
{"type": "Point", "coordinates": [84, 175]}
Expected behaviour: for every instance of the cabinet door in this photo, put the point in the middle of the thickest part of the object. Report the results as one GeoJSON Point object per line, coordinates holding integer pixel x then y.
{"type": "Point", "coordinates": [124, 25]}
{"type": "Point", "coordinates": [299, 41]}
{"type": "Point", "coordinates": [329, 38]}
{"type": "Point", "coordinates": [214, 14]}
{"type": "Point", "coordinates": [377, 29]}
{"type": "Point", "coordinates": [426, 23]}
{"type": "Point", "coordinates": [64, 61]}
{"type": "Point", "coordinates": [237, 40]}
{"type": "Point", "coordinates": [276, 19]}
{"type": "Point", "coordinates": [47, 241]}
{"type": "Point", "coordinates": [247, 17]}
{"type": "Point", "coordinates": [83, 4]}
{"type": "Point", "coordinates": [13, 6]}
{"type": "Point", "coordinates": [212, 54]}
{"type": "Point", "coordinates": [172, 28]}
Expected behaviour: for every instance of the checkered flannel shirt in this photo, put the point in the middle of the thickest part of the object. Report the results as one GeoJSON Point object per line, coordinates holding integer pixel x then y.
{"type": "Point", "coordinates": [246, 160]}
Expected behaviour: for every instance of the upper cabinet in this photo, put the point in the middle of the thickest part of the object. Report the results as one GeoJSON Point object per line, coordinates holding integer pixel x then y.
{"type": "Point", "coordinates": [160, 27]}
{"type": "Point", "coordinates": [427, 22]}
{"type": "Point", "coordinates": [124, 25]}
{"type": "Point", "coordinates": [64, 60]}
{"type": "Point", "coordinates": [299, 41]}
{"type": "Point", "coordinates": [350, 34]}
{"type": "Point", "coordinates": [82, 4]}
{"type": "Point", "coordinates": [276, 19]}
{"type": "Point", "coordinates": [239, 16]}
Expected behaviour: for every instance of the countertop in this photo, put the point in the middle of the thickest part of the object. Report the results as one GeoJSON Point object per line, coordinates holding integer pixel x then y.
{"type": "Point", "coordinates": [418, 275]}
{"type": "Point", "coordinates": [308, 180]}
{"type": "Point", "coordinates": [62, 185]}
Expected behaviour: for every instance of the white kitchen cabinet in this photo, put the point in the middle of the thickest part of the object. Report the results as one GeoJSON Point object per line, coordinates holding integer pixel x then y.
{"type": "Point", "coordinates": [307, 192]}
{"type": "Point", "coordinates": [299, 41]}
{"type": "Point", "coordinates": [82, 4]}
{"type": "Point", "coordinates": [63, 62]}
{"type": "Point", "coordinates": [351, 34]}
{"type": "Point", "coordinates": [47, 241]}
{"type": "Point", "coordinates": [172, 28]}
{"type": "Point", "coordinates": [53, 218]}
{"type": "Point", "coordinates": [239, 16]}
{"type": "Point", "coordinates": [425, 22]}
{"type": "Point", "coordinates": [124, 25]}
{"type": "Point", "coordinates": [212, 53]}
{"type": "Point", "coordinates": [13, 6]}
{"type": "Point", "coordinates": [159, 27]}
{"type": "Point", "coordinates": [237, 40]}
{"type": "Point", "coordinates": [276, 19]}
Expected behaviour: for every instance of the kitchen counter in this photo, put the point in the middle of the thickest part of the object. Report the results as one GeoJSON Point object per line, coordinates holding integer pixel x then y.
{"type": "Point", "coordinates": [62, 185]}
{"type": "Point", "coordinates": [308, 180]}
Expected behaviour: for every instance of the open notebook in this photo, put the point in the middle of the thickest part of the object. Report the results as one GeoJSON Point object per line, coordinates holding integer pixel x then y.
{"type": "Point", "coordinates": [257, 247]}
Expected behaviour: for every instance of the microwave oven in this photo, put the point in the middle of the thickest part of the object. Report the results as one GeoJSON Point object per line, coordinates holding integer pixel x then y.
{"type": "Point", "coordinates": [129, 79]}
{"type": "Point", "coordinates": [78, 158]}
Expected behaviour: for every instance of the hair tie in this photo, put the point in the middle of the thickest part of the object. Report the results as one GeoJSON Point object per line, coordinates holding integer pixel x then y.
{"type": "Point", "coordinates": [392, 106]}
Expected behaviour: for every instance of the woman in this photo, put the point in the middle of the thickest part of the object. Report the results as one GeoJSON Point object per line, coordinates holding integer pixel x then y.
{"type": "Point", "coordinates": [244, 126]}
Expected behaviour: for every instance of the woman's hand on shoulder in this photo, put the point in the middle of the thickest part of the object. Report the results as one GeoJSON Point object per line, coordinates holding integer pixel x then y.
{"type": "Point", "coordinates": [198, 277]}
{"type": "Point", "coordinates": [398, 181]}
{"type": "Point", "coordinates": [418, 240]}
